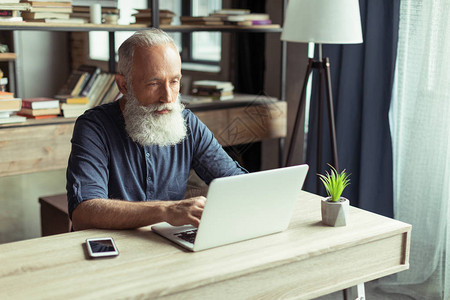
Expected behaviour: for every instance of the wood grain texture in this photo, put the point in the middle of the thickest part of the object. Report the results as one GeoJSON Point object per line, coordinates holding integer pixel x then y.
{"type": "Point", "coordinates": [305, 261]}
{"type": "Point", "coordinates": [34, 148]}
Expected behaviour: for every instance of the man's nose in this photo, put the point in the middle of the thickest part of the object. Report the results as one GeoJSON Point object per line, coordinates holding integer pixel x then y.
{"type": "Point", "coordinates": [166, 93]}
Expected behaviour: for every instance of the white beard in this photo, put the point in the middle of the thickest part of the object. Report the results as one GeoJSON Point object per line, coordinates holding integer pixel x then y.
{"type": "Point", "coordinates": [147, 128]}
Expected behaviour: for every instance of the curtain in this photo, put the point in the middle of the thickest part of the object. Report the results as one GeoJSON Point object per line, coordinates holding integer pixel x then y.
{"type": "Point", "coordinates": [362, 78]}
{"type": "Point", "coordinates": [420, 124]}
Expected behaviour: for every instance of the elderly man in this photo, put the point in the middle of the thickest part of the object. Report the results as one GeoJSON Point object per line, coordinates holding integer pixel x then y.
{"type": "Point", "coordinates": [130, 159]}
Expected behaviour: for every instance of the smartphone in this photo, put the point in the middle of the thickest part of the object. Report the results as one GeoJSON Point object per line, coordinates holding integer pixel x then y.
{"type": "Point", "coordinates": [101, 247]}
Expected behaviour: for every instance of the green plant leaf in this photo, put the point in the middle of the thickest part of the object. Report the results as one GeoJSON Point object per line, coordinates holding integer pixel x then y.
{"type": "Point", "coordinates": [335, 183]}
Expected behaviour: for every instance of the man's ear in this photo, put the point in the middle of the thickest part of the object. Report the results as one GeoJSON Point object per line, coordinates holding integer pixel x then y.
{"type": "Point", "coordinates": [122, 84]}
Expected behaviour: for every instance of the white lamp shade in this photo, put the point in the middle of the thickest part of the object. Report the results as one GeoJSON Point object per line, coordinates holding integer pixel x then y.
{"type": "Point", "coordinates": [323, 22]}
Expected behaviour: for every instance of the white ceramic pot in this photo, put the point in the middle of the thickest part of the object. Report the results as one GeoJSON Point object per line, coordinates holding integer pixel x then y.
{"type": "Point", "coordinates": [335, 213]}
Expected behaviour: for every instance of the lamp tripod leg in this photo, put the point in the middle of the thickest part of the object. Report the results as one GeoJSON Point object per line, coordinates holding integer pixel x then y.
{"type": "Point", "coordinates": [331, 121]}
{"type": "Point", "coordinates": [319, 130]}
{"type": "Point", "coordinates": [298, 116]}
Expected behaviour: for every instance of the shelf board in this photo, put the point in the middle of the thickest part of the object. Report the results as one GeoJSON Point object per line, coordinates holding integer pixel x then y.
{"type": "Point", "coordinates": [8, 56]}
{"type": "Point", "coordinates": [38, 26]}
{"type": "Point", "coordinates": [226, 28]}
{"type": "Point", "coordinates": [39, 122]}
{"type": "Point", "coordinates": [68, 27]}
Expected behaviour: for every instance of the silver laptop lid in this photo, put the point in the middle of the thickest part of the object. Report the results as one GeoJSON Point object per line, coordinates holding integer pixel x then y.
{"type": "Point", "coordinates": [247, 206]}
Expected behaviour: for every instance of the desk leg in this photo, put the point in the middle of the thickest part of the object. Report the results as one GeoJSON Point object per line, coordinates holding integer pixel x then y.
{"type": "Point", "coordinates": [357, 291]}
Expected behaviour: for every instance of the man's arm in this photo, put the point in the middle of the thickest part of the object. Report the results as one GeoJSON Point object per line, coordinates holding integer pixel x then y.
{"type": "Point", "coordinates": [118, 214]}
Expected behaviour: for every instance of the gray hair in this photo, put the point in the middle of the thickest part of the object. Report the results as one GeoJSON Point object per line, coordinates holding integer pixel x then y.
{"type": "Point", "coordinates": [143, 38]}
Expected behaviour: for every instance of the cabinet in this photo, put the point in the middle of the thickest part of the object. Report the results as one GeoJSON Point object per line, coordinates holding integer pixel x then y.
{"type": "Point", "coordinates": [40, 145]}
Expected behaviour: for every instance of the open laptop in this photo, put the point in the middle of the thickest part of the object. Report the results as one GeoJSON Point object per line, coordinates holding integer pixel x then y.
{"type": "Point", "coordinates": [241, 207]}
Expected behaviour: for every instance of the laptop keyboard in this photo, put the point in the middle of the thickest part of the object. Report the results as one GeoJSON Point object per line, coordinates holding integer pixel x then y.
{"type": "Point", "coordinates": [188, 236]}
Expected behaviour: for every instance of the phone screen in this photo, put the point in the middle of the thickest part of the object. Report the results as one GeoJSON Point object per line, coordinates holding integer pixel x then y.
{"type": "Point", "coordinates": [101, 247]}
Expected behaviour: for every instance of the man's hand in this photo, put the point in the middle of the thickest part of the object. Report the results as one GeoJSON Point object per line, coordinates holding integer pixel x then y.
{"type": "Point", "coordinates": [185, 212]}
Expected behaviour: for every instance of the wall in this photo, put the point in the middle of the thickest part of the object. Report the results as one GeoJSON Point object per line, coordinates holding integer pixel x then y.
{"type": "Point", "coordinates": [42, 68]}
{"type": "Point", "coordinates": [42, 65]}
{"type": "Point", "coordinates": [19, 194]}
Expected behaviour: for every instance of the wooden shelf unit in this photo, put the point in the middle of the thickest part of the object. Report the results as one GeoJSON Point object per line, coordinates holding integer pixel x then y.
{"type": "Point", "coordinates": [39, 145]}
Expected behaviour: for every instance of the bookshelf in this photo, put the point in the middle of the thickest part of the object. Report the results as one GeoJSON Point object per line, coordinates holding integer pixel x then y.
{"type": "Point", "coordinates": [40, 145]}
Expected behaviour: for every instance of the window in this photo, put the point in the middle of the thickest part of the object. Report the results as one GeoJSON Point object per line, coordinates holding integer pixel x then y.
{"type": "Point", "coordinates": [197, 48]}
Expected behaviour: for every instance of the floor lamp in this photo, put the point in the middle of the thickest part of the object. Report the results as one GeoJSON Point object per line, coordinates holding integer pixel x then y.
{"type": "Point", "coordinates": [320, 22]}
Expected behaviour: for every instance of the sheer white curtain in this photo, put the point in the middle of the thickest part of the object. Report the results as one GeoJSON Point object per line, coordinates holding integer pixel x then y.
{"type": "Point", "coordinates": [420, 126]}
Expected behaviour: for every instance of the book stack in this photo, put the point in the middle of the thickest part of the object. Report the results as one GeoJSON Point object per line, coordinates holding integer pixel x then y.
{"type": "Point", "coordinates": [144, 16]}
{"type": "Point", "coordinates": [39, 108]}
{"type": "Point", "coordinates": [213, 90]}
{"type": "Point", "coordinates": [10, 10]}
{"type": "Point", "coordinates": [47, 11]}
{"type": "Point", "coordinates": [241, 17]}
{"type": "Point", "coordinates": [202, 20]}
{"type": "Point", "coordinates": [9, 105]}
{"type": "Point", "coordinates": [83, 13]}
{"type": "Point", "coordinates": [86, 87]}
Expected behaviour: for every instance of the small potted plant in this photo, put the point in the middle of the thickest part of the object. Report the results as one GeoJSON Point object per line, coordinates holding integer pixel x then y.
{"type": "Point", "coordinates": [334, 207]}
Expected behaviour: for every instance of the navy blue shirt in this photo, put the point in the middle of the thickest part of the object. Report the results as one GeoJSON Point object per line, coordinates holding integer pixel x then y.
{"type": "Point", "coordinates": [106, 163]}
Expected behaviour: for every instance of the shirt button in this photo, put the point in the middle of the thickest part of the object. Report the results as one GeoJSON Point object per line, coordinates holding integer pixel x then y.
{"type": "Point", "coordinates": [147, 154]}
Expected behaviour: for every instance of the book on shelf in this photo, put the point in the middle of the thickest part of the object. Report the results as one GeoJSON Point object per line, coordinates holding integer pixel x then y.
{"type": "Point", "coordinates": [231, 11]}
{"type": "Point", "coordinates": [144, 16]}
{"type": "Point", "coordinates": [6, 113]}
{"type": "Point", "coordinates": [201, 20]}
{"type": "Point", "coordinates": [6, 95]}
{"type": "Point", "coordinates": [9, 1]}
{"type": "Point", "coordinates": [82, 81]}
{"type": "Point", "coordinates": [73, 110]}
{"type": "Point", "coordinates": [112, 95]}
{"type": "Point", "coordinates": [48, 3]}
{"type": "Point", "coordinates": [40, 103]}
{"type": "Point", "coordinates": [13, 119]}
{"type": "Point", "coordinates": [11, 19]}
{"type": "Point", "coordinates": [38, 112]}
{"type": "Point", "coordinates": [74, 83]}
{"type": "Point", "coordinates": [109, 81]}
{"type": "Point", "coordinates": [211, 84]}
{"type": "Point", "coordinates": [38, 117]}
{"type": "Point", "coordinates": [86, 9]}
{"type": "Point", "coordinates": [9, 13]}
{"type": "Point", "coordinates": [51, 9]}
{"type": "Point", "coordinates": [61, 21]}
{"type": "Point", "coordinates": [217, 90]}
{"type": "Point", "coordinates": [97, 91]}
{"type": "Point", "coordinates": [93, 73]}
{"type": "Point", "coordinates": [11, 104]}
{"type": "Point", "coordinates": [83, 12]}
{"type": "Point", "coordinates": [242, 18]}
{"type": "Point", "coordinates": [69, 99]}
{"type": "Point", "coordinates": [28, 16]}
{"type": "Point", "coordinates": [15, 6]}
{"type": "Point", "coordinates": [190, 99]}
{"type": "Point", "coordinates": [215, 97]}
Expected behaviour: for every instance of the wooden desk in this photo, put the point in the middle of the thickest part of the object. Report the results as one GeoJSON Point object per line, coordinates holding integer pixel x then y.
{"type": "Point", "coordinates": [306, 261]}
